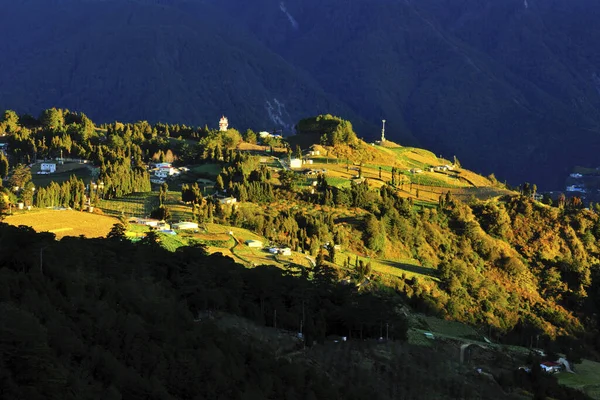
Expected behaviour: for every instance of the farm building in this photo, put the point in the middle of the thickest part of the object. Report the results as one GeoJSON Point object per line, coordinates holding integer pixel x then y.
{"type": "Point", "coordinates": [184, 225]}
{"type": "Point", "coordinates": [162, 225]}
{"type": "Point", "coordinates": [255, 244]}
{"type": "Point", "coordinates": [296, 163]}
{"type": "Point", "coordinates": [551, 367]}
{"type": "Point", "coordinates": [145, 221]}
{"type": "Point", "coordinates": [48, 167]}
{"type": "Point", "coordinates": [286, 251]}
{"type": "Point", "coordinates": [228, 200]}
{"type": "Point", "coordinates": [165, 172]}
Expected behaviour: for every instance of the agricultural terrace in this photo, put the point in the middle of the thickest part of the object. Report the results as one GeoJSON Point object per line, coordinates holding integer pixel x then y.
{"type": "Point", "coordinates": [64, 223]}
{"type": "Point", "coordinates": [342, 163]}
{"type": "Point", "coordinates": [141, 205]}
{"type": "Point", "coordinates": [218, 239]}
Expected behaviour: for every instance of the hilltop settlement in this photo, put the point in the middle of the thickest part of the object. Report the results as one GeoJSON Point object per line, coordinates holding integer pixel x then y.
{"type": "Point", "coordinates": [309, 265]}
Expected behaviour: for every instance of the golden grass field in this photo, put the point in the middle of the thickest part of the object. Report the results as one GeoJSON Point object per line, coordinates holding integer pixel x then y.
{"type": "Point", "coordinates": [64, 223]}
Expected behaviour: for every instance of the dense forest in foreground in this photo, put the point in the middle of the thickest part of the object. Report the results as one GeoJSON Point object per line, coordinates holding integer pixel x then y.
{"type": "Point", "coordinates": [105, 318]}
{"type": "Point", "coordinates": [510, 265]}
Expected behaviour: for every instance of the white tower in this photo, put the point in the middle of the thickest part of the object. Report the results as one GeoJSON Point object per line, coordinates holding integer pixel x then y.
{"type": "Point", "coordinates": [223, 124]}
{"type": "Point", "coordinates": [383, 131]}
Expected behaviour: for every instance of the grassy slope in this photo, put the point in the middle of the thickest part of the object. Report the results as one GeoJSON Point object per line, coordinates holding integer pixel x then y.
{"type": "Point", "coordinates": [426, 186]}
{"type": "Point", "coordinates": [586, 378]}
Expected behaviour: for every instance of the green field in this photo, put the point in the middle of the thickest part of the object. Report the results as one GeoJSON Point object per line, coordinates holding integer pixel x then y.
{"type": "Point", "coordinates": [141, 205]}
{"type": "Point", "coordinates": [585, 378]}
{"type": "Point", "coordinates": [207, 170]}
{"type": "Point", "coordinates": [63, 223]}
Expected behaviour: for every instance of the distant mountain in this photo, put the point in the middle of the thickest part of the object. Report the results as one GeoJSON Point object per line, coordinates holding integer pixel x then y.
{"type": "Point", "coordinates": [508, 86]}
{"type": "Point", "coordinates": [511, 87]}
{"type": "Point", "coordinates": [146, 60]}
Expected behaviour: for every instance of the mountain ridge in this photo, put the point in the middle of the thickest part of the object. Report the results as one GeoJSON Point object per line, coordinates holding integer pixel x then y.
{"type": "Point", "coordinates": [484, 81]}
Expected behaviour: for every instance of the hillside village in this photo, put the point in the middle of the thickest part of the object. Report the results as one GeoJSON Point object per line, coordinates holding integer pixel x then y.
{"type": "Point", "coordinates": [373, 216]}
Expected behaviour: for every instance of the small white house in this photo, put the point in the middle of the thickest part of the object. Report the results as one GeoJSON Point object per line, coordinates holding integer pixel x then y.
{"type": "Point", "coordinates": [146, 221]}
{"type": "Point", "coordinates": [296, 163]}
{"type": "Point", "coordinates": [48, 167]}
{"type": "Point", "coordinates": [286, 251]}
{"type": "Point", "coordinates": [184, 225]}
{"type": "Point", "coordinates": [255, 244]}
{"type": "Point", "coordinates": [228, 200]}
{"type": "Point", "coordinates": [165, 172]}
{"type": "Point", "coordinates": [551, 367]}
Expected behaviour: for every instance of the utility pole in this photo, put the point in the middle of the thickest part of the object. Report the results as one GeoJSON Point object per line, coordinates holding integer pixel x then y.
{"type": "Point", "coordinates": [383, 131]}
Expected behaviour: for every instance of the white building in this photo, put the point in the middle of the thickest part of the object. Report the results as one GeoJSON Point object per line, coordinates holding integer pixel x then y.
{"type": "Point", "coordinates": [165, 172]}
{"type": "Point", "coordinates": [145, 221]}
{"type": "Point", "coordinates": [286, 251]}
{"type": "Point", "coordinates": [223, 124]}
{"type": "Point", "coordinates": [296, 163]}
{"type": "Point", "coordinates": [228, 200]}
{"type": "Point", "coordinates": [184, 225]}
{"type": "Point", "coordinates": [255, 244]}
{"type": "Point", "coordinates": [48, 167]}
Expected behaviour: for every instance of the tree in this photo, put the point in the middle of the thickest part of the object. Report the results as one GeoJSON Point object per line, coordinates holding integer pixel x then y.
{"type": "Point", "coordinates": [27, 193]}
{"type": "Point", "coordinates": [219, 185]}
{"type": "Point", "coordinates": [161, 213]}
{"type": "Point", "coordinates": [3, 166]}
{"type": "Point", "coordinates": [52, 119]}
{"type": "Point", "coordinates": [162, 193]}
{"type": "Point", "coordinates": [374, 234]}
{"type": "Point", "coordinates": [10, 121]}
{"type": "Point", "coordinates": [20, 176]}
{"type": "Point", "coordinates": [117, 232]}
{"type": "Point", "coordinates": [288, 179]}
{"type": "Point", "coordinates": [298, 152]}
{"type": "Point", "coordinates": [250, 137]}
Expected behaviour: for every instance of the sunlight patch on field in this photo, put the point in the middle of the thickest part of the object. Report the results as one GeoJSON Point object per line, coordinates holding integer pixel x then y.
{"type": "Point", "coordinates": [64, 223]}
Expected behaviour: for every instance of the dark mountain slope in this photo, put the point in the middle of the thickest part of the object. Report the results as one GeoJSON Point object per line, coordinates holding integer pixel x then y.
{"type": "Point", "coordinates": [511, 87]}
{"type": "Point", "coordinates": [130, 60]}
{"type": "Point", "coordinates": [487, 81]}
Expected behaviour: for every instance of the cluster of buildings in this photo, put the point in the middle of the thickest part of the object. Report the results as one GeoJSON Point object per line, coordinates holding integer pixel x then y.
{"type": "Point", "coordinates": [164, 227]}
{"type": "Point", "coordinates": [164, 171]}
{"type": "Point", "coordinates": [266, 135]}
{"type": "Point", "coordinates": [257, 244]}
{"type": "Point", "coordinates": [282, 251]}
